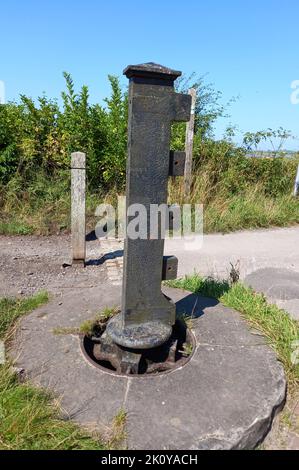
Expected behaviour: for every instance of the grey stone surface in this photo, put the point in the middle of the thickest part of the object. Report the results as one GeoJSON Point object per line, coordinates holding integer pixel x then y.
{"type": "Point", "coordinates": [280, 286]}
{"type": "Point", "coordinates": [224, 398]}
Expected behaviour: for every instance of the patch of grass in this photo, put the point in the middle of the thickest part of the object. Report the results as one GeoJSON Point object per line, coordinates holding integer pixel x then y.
{"type": "Point", "coordinates": [89, 327]}
{"type": "Point", "coordinates": [259, 200]}
{"type": "Point", "coordinates": [12, 309]}
{"type": "Point", "coordinates": [278, 327]}
{"type": "Point", "coordinates": [187, 349]}
{"type": "Point", "coordinates": [108, 313]}
{"type": "Point", "coordinates": [207, 287]}
{"type": "Point", "coordinates": [30, 418]}
{"type": "Point", "coordinates": [223, 213]}
{"type": "Point", "coordinates": [186, 320]}
{"type": "Point", "coordinates": [117, 434]}
{"type": "Point", "coordinates": [251, 210]}
{"type": "Point", "coordinates": [15, 228]}
{"type": "Point", "coordinates": [227, 209]}
{"type": "Point", "coordinates": [43, 206]}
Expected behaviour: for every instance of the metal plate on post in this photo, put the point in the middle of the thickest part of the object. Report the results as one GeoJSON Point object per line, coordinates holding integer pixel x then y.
{"type": "Point", "coordinates": [170, 268]}
{"type": "Point", "coordinates": [177, 163]}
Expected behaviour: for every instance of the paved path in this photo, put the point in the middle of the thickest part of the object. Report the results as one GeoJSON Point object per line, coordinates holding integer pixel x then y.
{"type": "Point", "coordinates": [26, 262]}
{"type": "Point", "coordinates": [251, 249]}
{"type": "Point", "coordinates": [268, 261]}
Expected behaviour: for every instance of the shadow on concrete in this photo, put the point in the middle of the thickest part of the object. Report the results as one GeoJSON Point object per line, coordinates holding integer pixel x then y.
{"type": "Point", "coordinates": [91, 236]}
{"type": "Point", "coordinates": [107, 256]}
{"type": "Point", "coordinates": [194, 305]}
{"type": "Point", "coordinates": [114, 254]}
{"type": "Point", "coordinates": [96, 261]}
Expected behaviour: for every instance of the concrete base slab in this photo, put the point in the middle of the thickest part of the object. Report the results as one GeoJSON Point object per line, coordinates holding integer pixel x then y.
{"type": "Point", "coordinates": [225, 397]}
{"type": "Point", "coordinates": [280, 286]}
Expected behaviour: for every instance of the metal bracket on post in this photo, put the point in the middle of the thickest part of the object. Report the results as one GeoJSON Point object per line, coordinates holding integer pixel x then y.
{"type": "Point", "coordinates": [177, 163]}
{"type": "Point", "coordinates": [147, 316]}
{"type": "Point", "coordinates": [78, 177]}
{"type": "Point", "coordinates": [170, 268]}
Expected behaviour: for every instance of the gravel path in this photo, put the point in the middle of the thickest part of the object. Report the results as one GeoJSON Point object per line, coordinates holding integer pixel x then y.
{"type": "Point", "coordinates": [30, 263]}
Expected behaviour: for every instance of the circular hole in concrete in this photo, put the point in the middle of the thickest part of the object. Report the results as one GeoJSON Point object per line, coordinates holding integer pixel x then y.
{"type": "Point", "coordinates": [173, 354]}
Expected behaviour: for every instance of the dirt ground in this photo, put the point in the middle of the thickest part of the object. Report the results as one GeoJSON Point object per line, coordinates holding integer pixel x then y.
{"type": "Point", "coordinates": [30, 263]}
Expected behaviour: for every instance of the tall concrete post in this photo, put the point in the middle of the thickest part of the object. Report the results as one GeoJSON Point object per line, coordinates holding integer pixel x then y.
{"type": "Point", "coordinates": [78, 177]}
{"type": "Point", "coordinates": [147, 317]}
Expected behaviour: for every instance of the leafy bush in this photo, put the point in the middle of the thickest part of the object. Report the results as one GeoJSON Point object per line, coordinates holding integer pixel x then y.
{"type": "Point", "coordinates": [37, 138]}
{"type": "Point", "coordinates": [40, 137]}
{"type": "Point", "coordinates": [228, 170]}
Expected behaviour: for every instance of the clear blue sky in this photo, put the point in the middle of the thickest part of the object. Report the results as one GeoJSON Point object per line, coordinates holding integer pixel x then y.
{"type": "Point", "coordinates": [248, 48]}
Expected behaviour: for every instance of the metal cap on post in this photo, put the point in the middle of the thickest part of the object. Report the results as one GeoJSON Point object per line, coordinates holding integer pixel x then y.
{"type": "Point", "coordinates": [152, 71]}
{"type": "Point", "coordinates": [147, 316]}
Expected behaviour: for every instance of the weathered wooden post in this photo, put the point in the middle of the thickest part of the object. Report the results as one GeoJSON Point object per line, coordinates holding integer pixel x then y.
{"type": "Point", "coordinates": [189, 145]}
{"type": "Point", "coordinates": [2, 353]}
{"type": "Point", "coordinates": [296, 189]}
{"type": "Point", "coordinates": [78, 177]}
{"type": "Point", "coordinates": [147, 316]}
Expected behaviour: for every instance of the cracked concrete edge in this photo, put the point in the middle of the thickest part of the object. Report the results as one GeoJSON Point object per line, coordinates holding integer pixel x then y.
{"type": "Point", "coordinates": [256, 433]}
{"type": "Point", "coordinates": [260, 428]}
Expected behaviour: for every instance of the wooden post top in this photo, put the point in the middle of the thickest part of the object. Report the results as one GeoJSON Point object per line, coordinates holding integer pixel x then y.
{"type": "Point", "coordinates": [78, 160]}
